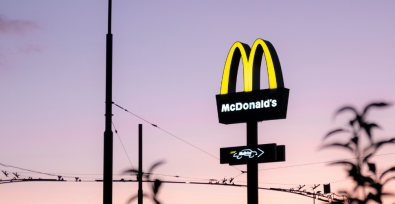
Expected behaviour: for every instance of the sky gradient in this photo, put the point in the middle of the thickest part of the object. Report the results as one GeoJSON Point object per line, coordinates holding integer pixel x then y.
{"type": "Point", "coordinates": [168, 62]}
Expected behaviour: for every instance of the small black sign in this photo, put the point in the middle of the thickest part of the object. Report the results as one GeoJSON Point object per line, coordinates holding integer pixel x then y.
{"type": "Point", "coordinates": [262, 154]}
{"type": "Point", "coordinates": [327, 188]}
{"type": "Point", "coordinates": [258, 105]}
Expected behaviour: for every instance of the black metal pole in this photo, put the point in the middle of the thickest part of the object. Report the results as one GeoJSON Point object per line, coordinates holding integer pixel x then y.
{"type": "Point", "coordinates": [252, 167]}
{"type": "Point", "coordinates": [140, 192]}
{"type": "Point", "coordinates": [108, 134]}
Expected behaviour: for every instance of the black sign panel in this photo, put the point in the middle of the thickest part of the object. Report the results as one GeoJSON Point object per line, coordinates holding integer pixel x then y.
{"type": "Point", "coordinates": [244, 154]}
{"type": "Point", "coordinates": [258, 105]}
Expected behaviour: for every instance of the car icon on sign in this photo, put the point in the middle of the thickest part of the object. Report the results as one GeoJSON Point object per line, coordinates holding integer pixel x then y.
{"type": "Point", "coordinates": [245, 152]}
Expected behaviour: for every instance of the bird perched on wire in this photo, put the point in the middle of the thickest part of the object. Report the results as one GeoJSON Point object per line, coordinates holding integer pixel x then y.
{"type": "Point", "coordinates": [300, 187]}
{"type": "Point", "coordinates": [16, 174]}
{"type": "Point", "coordinates": [5, 173]}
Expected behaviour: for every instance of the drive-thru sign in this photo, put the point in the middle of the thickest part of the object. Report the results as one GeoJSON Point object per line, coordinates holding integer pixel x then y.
{"type": "Point", "coordinates": [261, 154]}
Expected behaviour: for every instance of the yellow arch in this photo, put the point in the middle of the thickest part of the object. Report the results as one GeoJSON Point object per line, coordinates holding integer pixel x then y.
{"type": "Point", "coordinates": [248, 60]}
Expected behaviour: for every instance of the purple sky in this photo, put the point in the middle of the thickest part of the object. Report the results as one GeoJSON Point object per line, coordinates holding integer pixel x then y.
{"type": "Point", "coordinates": [168, 62]}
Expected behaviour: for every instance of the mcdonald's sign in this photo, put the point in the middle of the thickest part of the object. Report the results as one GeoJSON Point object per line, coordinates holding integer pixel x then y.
{"type": "Point", "coordinates": [254, 104]}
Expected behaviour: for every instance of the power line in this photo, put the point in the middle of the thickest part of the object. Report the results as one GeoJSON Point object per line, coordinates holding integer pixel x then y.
{"type": "Point", "coordinates": [171, 134]}
{"type": "Point", "coordinates": [39, 172]}
{"type": "Point", "coordinates": [317, 163]}
{"type": "Point", "coordinates": [58, 174]}
{"type": "Point", "coordinates": [116, 132]}
{"type": "Point", "coordinates": [124, 175]}
{"type": "Point", "coordinates": [53, 174]}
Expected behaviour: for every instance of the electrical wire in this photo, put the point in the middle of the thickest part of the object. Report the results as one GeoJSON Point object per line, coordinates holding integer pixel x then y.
{"type": "Point", "coordinates": [116, 132]}
{"type": "Point", "coordinates": [170, 134]}
{"type": "Point", "coordinates": [39, 172]}
{"type": "Point", "coordinates": [175, 176]}
{"type": "Point", "coordinates": [317, 163]}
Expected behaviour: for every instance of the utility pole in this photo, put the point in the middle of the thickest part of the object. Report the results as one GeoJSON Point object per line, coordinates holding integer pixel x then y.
{"type": "Point", "coordinates": [314, 194]}
{"type": "Point", "coordinates": [252, 166]}
{"type": "Point", "coordinates": [108, 134]}
{"type": "Point", "coordinates": [140, 192]}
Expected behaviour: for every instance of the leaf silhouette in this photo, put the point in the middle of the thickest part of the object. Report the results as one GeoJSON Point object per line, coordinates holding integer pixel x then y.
{"type": "Point", "coordinates": [133, 171]}
{"type": "Point", "coordinates": [156, 185]}
{"type": "Point", "coordinates": [372, 167]}
{"type": "Point", "coordinates": [355, 173]}
{"type": "Point", "coordinates": [387, 171]}
{"type": "Point", "coordinates": [335, 131]}
{"type": "Point", "coordinates": [355, 140]}
{"type": "Point", "coordinates": [343, 162]}
{"type": "Point", "coordinates": [375, 197]}
{"type": "Point", "coordinates": [153, 167]}
{"type": "Point", "coordinates": [382, 104]}
{"type": "Point", "coordinates": [347, 108]}
{"type": "Point", "coordinates": [377, 145]}
{"type": "Point", "coordinates": [347, 146]}
{"type": "Point", "coordinates": [388, 180]}
{"type": "Point", "coordinates": [156, 201]}
{"type": "Point", "coordinates": [135, 197]}
{"type": "Point", "coordinates": [368, 129]}
{"type": "Point", "coordinates": [365, 160]}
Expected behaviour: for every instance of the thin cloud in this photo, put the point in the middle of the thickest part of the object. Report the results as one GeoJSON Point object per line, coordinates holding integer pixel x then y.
{"type": "Point", "coordinates": [16, 26]}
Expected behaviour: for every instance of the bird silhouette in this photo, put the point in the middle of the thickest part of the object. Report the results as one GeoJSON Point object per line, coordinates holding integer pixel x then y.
{"type": "Point", "coordinates": [300, 187]}
{"type": "Point", "coordinates": [5, 173]}
{"type": "Point", "coordinates": [16, 174]}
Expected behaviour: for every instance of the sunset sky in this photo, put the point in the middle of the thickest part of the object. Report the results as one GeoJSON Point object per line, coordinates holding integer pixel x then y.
{"type": "Point", "coordinates": [168, 62]}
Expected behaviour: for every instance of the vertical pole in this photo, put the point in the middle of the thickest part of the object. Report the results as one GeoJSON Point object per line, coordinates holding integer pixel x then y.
{"type": "Point", "coordinates": [313, 197]}
{"type": "Point", "coordinates": [140, 192]}
{"type": "Point", "coordinates": [108, 134]}
{"type": "Point", "coordinates": [252, 167]}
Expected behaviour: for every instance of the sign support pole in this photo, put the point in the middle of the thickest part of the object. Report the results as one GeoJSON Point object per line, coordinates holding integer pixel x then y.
{"type": "Point", "coordinates": [252, 167]}
{"type": "Point", "coordinates": [108, 134]}
{"type": "Point", "coordinates": [140, 192]}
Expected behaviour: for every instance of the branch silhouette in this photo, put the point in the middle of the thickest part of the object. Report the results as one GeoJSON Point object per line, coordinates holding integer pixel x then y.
{"type": "Point", "coordinates": [155, 185]}
{"type": "Point", "coordinates": [363, 171]}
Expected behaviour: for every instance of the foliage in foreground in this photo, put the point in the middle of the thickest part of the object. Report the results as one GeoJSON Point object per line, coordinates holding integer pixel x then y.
{"type": "Point", "coordinates": [368, 181]}
{"type": "Point", "coordinates": [155, 185]}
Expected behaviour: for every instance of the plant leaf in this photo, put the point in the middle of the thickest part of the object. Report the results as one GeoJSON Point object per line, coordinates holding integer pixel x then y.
{"type": "Point", "coordinates": [347, 146]}
{"type": "Point", "coordinates": [388, 170]}
{"type": "Point", "coordinates": [133, 171]}
{"type": "Point", "coordinates": [365, 160]}
{"type": "Point", "coordinates": [377, 145]}
{"type": "Point", "coordinates": [368, 128]}
{"type": "Point", "coordinates": [387, 194]}
{"type": "Point", "coordinates": [388, 180]}
{"type": "Point", "coordinates": [343, 162]}
{"type": "Point", "coordinates": [153, 167]}
{"type": "Point", "coordinates": [381, 104]}
{"type": "Point", "coordinates": [355, 140]}
{"type": "Point", "coordinates": [376, 198]}
{"type": "Point", "coordinates": [372, 167]}
{"type": "Point", "coordinates": [335, 131]}
{"type": "Point", "coordinates": [135, 197]}
{"type": "Point", "coordinates": [156, 186]}
{"type": "Point", "coordinates": [156, 201]}
{"type": "Point", "coordinates": [347, 108]}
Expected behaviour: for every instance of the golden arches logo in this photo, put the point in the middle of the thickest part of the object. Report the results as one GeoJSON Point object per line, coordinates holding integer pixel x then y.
{"type": "Point", "coordinates": [252, 58]}
{"type": "Point", "coordinates": [254, 103]}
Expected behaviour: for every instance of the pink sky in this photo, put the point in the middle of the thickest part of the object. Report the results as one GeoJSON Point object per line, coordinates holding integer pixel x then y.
{"type": "Point", "coordinates": [168, 62]}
